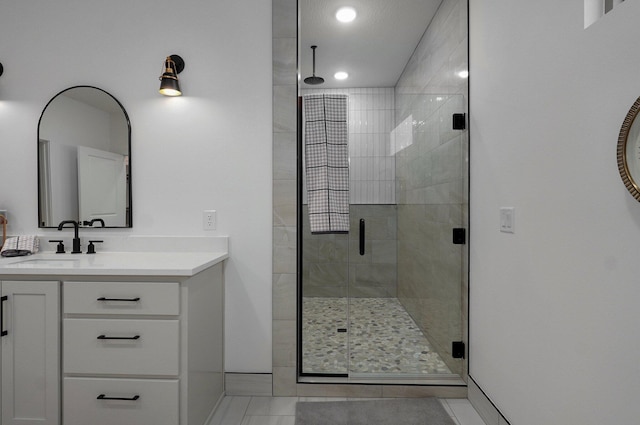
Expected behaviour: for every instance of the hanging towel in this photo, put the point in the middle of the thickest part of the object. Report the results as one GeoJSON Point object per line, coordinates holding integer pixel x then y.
{"type": "Point", "coordinates": [20, 245]}
{"type": "Point", "coordinates": [3, 221]}
{"type": "Point", "coordinates": [327, 162]}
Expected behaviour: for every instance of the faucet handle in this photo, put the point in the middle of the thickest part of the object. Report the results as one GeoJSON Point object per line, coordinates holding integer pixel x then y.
{"type": "Point", "coordinates": [90, 222]}
{"type": "Point", "coordinates": [60, 247]}
{"type": "Point", "coordinates": [91, 249]}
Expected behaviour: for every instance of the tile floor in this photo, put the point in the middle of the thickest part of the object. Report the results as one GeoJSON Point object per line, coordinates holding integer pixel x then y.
{"type": "Point", "coordinates": [236, 410]}
{"type": "Point", "coordinates": [381, 338]}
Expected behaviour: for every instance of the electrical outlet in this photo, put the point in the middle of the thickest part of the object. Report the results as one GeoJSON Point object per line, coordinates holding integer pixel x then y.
{"type": "Point", "coordinates": [209, 219]}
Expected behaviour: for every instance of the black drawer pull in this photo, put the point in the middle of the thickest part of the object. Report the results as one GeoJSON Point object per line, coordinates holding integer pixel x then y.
{"type": "Point", "coordinates": [104, 397]}
{"type": "Point", "coordinates": [118, 337]}
{"type": "Point", "coordinates": [133, 300]}
{"type": "Point", "coordinates": [2, 331]}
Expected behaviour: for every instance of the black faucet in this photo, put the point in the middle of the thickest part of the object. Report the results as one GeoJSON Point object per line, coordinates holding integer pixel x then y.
{"type": "Point", "coordinates": [95, 220]}
{"type": "Point", "coordinates": [76, 238]}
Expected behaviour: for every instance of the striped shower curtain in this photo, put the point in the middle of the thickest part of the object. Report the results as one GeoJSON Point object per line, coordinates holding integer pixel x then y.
{"type": "Point", "coordinates": [327, 162]}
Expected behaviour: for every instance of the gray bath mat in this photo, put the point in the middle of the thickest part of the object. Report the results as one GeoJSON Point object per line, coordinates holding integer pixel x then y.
{"type": "Point", "coordinates": [415, 411]}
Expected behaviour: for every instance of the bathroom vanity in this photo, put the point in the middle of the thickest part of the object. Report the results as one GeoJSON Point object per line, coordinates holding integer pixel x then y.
{"type": "Point", "coordinates": [112, 338]}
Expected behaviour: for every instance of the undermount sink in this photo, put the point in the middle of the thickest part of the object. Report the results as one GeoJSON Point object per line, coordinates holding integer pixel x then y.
{"type": "Point", "coordinates": [48, 261]}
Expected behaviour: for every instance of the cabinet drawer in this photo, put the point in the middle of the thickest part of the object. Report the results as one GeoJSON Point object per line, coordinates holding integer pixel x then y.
{"type": "Point", "coordinates": [121, 298]}
{"type": "Point", "coordinates": [156, 404]}
{"type": "Point", "coordinates": [118, 346]}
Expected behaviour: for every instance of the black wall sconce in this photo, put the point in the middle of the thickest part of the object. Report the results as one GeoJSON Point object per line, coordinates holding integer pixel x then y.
{"type": "Point", "coordinates": [1, 69]}
{"type": "Point", "coordinates": [169, 84]}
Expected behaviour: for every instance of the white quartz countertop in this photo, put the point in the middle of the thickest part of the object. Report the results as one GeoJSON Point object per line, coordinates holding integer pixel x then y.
{"type": "Point", "coordinates": [112, 263]}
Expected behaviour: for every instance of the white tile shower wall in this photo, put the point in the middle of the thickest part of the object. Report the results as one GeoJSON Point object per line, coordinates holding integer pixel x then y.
{"type": "Point", "coordinates": [371, 160]}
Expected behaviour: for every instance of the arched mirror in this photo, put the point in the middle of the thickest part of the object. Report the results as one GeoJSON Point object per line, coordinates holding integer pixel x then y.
{"type": "Point", "coordinates": [84, 157]}
{"type": "Point", "coordinates": [628, 152]}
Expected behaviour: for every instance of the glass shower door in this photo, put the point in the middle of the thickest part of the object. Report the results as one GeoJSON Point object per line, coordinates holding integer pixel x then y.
{"type": "Point", "coordinates": [384, 302]}
{"type": "Point", "coordinates": [324, 260]}
{"type": "Point", "coordinates": [324, 324]}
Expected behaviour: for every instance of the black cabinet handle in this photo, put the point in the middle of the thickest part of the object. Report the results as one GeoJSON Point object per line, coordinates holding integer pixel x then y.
{"type": "Point", "coordinates": [133, 300]}
{"type": "Point", "coordinates": [2, 331]}
{"type": "Point", "coordinates": [362, 236]}
{"type": "Point", "coordinates": [104, 397]}
{"type": "Point", "coordinates": [119, 337]}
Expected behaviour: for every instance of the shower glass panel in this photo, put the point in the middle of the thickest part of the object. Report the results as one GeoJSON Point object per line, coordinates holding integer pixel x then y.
{"type": "Point", "coordinates": [384, 301]}
{"type": "Point", "coordinates": [431, 187]}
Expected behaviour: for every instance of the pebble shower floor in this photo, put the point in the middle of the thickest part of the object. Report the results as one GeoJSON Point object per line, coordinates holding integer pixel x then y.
{"type": "Point", "coordinates": [382, 338]}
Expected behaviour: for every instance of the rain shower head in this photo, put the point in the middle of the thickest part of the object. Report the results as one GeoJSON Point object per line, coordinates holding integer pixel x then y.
{"type": "Point", "coordinates": [313, 80]}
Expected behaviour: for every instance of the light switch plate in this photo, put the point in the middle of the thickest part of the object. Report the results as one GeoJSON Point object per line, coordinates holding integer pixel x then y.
{"type": "Point", "coordinates": [507, 219]}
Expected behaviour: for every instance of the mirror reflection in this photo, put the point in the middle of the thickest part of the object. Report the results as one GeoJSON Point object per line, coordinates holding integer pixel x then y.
{"type": "Point", "coordinates": [84, 151]}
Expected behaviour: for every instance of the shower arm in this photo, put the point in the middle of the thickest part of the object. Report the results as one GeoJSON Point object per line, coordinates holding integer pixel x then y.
{"type": "Point", "coordinates": [313, 71]}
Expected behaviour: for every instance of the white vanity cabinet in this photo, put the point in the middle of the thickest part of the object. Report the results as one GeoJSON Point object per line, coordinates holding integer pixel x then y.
{"type": "Point", "coordinates": [142, 351]}
{"type": "Point", "coordinates": [124, 342]}
{"type": "Point", "coordinates": [126, 338]}
{"type": "Point", "coordinates": [30, 352]}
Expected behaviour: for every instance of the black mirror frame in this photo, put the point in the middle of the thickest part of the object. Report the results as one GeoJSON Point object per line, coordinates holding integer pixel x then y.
{"type": "Point", "coordinates": [129, 211]}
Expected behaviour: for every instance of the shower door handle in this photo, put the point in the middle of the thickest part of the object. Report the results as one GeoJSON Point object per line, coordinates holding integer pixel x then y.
{"type": "Point", "coordinates": [362, 236]}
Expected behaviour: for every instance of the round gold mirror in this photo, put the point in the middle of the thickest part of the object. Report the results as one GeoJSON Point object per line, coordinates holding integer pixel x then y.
{"type": "Point", "coordinates": [628, 152]}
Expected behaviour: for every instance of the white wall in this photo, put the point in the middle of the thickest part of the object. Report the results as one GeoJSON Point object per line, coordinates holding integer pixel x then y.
{"type": "Point", "coordinates": [554, 307]}
{"type": "Point", "coordinates": [210, 149]}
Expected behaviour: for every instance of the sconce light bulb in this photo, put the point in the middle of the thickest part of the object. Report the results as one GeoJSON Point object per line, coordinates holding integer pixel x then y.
{"type": "Point", "coordinates": [170, 92]}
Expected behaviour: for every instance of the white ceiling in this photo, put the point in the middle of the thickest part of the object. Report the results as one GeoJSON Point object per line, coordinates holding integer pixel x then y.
{"type": "Point", "coordinates": [373, 49]}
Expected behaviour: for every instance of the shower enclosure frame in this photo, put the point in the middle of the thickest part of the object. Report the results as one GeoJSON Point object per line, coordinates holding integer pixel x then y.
{"type": "Point", "coordinates": [285, 381]}
{"type": "Point", "coordinates": [422, 380]}
{"type": "Point", "coordinates": [300, 249]}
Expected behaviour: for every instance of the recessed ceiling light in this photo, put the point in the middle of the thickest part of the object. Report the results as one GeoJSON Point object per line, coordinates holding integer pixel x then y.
{"type": "Point", "coordinates": [340, 75]}
{"type": "Point", "coordinates": [346, 14]}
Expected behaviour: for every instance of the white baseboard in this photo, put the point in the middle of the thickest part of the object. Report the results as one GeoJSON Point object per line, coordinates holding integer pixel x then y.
{"type": "Point", "coordinates": [248, 384]}
{"type": "Point", "coordinates": [485, 408]}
